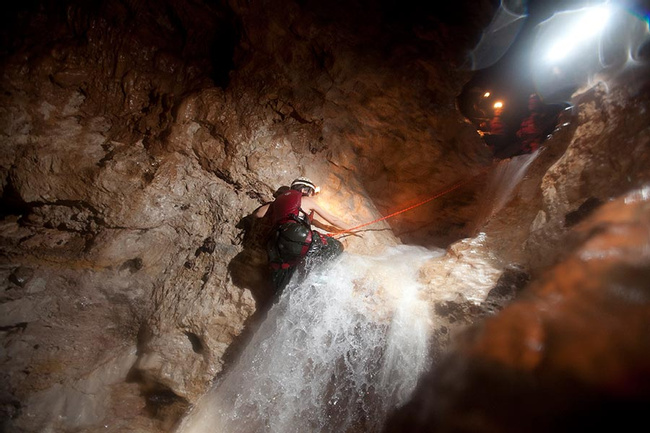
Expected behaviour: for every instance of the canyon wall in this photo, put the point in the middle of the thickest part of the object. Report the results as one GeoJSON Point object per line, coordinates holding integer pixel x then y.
{"type": "Point", "coordinates": [138, 137]}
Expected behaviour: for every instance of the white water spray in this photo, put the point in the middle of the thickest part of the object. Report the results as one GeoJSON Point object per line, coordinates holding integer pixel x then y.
{"type": "Point", "coordinates": [501, 184]}
{"type": "Point", "coordinates": [335, 354]}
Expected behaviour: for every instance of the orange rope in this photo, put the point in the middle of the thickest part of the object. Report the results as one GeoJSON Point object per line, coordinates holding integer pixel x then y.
{"type": "Point", "coordinates": [440, 194]}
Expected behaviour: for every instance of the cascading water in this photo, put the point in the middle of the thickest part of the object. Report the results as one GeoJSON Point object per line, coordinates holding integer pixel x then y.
{"type": "Point", "coordinates": [336, 352]}
{"type": "Point", "coordinates": [500, 185]}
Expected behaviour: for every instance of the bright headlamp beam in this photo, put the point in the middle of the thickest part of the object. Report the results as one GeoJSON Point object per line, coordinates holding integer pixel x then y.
{"type": "Point", "coordinates": [590, 24]}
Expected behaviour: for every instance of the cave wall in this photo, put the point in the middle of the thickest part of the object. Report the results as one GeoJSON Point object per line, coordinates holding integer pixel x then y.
{"type": "Point", "coordinates": [569, 351]}
{"type": "Point", "coordinates": [138, 136]}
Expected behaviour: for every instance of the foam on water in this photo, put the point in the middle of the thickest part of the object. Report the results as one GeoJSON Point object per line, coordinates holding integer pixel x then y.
{"type": "Point", "coordinates": [334, 354]}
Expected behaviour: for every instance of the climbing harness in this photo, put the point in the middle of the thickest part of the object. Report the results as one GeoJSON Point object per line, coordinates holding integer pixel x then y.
{"type": "Point", "coordinates": [435, 196]}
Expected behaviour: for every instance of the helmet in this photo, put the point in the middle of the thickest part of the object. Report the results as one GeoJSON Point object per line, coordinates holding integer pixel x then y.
{"type": "Point", "coordinates": [534, 101]}
{"type": "Point", "coordinates": [303, 182]}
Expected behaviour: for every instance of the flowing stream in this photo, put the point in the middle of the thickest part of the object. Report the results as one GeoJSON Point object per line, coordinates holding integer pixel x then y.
{"type": "Point", "coordinates": [335, 353]}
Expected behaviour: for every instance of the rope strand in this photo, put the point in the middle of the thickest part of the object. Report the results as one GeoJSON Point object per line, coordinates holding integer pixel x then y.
{"type": "Point", "coordinates": [440, 194]}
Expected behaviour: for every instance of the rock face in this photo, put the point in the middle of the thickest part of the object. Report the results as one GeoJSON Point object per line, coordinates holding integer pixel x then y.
{"type": "Point", "coordinates": [138, 137]}
{"type": "Point", "coordinates": [570, 354]}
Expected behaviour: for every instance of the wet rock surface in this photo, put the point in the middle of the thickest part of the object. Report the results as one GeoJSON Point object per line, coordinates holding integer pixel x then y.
{"type": "Point", "coordinates": [138, 137]}
{"type": "Point", "coordinates": [570, 353]}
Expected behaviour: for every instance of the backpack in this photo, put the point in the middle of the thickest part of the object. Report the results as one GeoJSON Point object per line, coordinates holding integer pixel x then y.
{"type": "Point", "coordinates": [289, 243]}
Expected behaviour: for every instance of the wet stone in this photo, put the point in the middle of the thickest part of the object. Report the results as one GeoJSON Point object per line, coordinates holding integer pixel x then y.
{"type": "Point", "coordinates": [21, 275]}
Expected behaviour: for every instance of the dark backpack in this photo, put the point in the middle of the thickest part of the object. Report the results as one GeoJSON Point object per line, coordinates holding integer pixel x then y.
{"type": "Point", "coordinates": [289, 243]}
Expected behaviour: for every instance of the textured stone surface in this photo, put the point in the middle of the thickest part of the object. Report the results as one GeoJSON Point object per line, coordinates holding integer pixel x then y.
{"type": "Point", "coordinates": [137, 138]}
{"type": "Point", "coordinates": [571, 353]}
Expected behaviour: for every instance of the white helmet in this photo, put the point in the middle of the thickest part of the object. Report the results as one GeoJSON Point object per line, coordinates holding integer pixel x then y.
{"type": "Point", "coordinates": [303, 182]}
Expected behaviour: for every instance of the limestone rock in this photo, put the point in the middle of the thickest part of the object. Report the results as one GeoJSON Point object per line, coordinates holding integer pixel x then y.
{"type": "Point", "coordinates": [572, 351]}
{"type": "Point", "coordinates": [138, 138]}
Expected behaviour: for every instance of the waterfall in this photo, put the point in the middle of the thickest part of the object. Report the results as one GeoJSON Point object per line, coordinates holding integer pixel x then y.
{"type": "Point", "coordinates": [500, 185]}
{"type": "Point", "coordinates": [335, 353]}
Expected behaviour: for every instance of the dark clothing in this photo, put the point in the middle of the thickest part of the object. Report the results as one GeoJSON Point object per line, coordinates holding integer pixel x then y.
{"type": "Point", "coordinates": [292, 244]}
{"type": "Point", "coordinates": [322, 249]}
